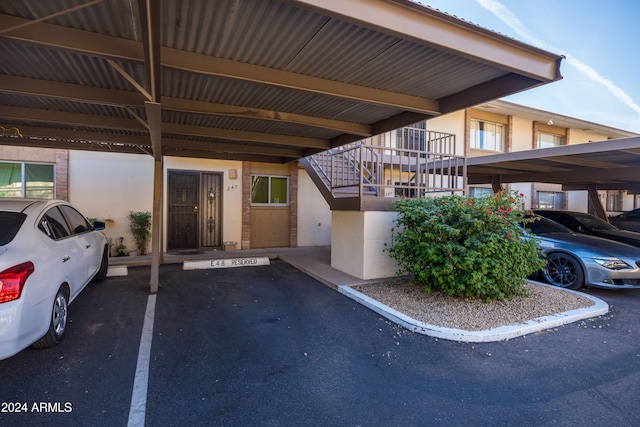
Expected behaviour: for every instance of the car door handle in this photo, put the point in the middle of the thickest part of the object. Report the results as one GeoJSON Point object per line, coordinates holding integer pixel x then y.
{"type": "Point", "coordinates": [66, 258]}
{"type": "Point", "coordinates": [88, 245]}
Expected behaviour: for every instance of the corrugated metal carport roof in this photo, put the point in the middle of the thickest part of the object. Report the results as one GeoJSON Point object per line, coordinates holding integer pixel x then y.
{"type": "Point", "coordinates": [257, 80]}
{"type": "Point", "coordinates": [606, 165]}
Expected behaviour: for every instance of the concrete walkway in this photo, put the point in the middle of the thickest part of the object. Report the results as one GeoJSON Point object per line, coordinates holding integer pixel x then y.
{"type": "Point", "coordinates": [316, 262]}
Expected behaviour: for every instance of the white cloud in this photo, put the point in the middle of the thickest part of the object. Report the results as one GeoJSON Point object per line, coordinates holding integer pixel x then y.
{"type": "Point", "coordinates": [510, 19]}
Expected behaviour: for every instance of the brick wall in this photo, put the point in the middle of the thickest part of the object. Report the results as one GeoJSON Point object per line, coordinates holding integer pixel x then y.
{"type": "Point", "coordinates": [246, 205]}
{"type": "Point", "coordinates": [62, 175]}
{"type": "Point", "coordinates": [293, 204]}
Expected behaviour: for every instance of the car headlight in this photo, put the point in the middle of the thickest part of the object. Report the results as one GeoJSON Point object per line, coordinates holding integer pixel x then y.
{"type": "Point", "coordinates": [612, 263]}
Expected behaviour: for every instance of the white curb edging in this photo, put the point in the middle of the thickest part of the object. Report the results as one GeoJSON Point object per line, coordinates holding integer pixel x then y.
{"type": "Point", "coordinates": [501, 333]}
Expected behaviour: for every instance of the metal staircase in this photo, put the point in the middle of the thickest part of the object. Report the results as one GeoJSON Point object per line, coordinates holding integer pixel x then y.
{"type": "Point", "coordinates": [366, 177]}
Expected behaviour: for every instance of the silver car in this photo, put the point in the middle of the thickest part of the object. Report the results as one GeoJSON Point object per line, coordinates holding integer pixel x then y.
{"type": "Point", "coordinates": [48, 253]}
{"type": "Point", "coordinates": [575, 260]}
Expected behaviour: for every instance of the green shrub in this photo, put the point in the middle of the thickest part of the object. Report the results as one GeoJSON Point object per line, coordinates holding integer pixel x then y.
{"type": "Point", "coordinates": [141, 229]}
{"type": "Point", "coordinates": [464, 246]}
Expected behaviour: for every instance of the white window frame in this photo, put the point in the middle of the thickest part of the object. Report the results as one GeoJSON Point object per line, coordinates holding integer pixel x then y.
{"type": "Point", "coordinates": [270, 177]}
{"type": "Point", "coordinates": [556, 138]}
{"type": "Point", "coordinates": [555, 195]}
{"type": "Point", "coordinates": [486, 135]}
{"type": "Point", "coordinates": [480, 191]}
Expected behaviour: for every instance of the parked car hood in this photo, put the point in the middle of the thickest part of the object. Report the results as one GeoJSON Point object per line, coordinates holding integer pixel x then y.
{"type": "Point", "coordinates": [630, 237]}
{"type": "Point", "coordinates": [596, 244]}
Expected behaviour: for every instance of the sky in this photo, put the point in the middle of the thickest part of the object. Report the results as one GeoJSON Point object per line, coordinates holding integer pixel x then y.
{"type": "Point", "coordinates": [601, 72]}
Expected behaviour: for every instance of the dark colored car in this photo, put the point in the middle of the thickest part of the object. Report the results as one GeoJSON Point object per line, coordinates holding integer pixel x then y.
{"type": "Point", "coordinates": [589, 224]}
{"type": "Point", "coordinates": [627, 221]}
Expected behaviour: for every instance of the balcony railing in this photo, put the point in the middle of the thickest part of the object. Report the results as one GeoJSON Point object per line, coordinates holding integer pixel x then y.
{"type": "Point", "coordinates": [384, 171]}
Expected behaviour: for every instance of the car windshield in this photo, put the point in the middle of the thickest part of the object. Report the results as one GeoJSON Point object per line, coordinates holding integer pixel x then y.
{"type": "Point", "coordinates": [544, 226]}
{"type": "Point", "coordinates": [592, 223]}
{"type": "Point", "coordinates": [10, 223]}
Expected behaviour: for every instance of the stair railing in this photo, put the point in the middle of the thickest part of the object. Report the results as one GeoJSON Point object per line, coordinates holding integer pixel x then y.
{"type": "Point", "coordinates": [386, 171]}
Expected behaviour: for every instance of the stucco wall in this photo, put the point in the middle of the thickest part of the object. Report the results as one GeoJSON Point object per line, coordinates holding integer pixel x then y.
{"type": "Point", "coordinates": [577, 201]}
{"type": "Point", "coordinates": [452, 123]}
{"type": "Point", "coordinates": [522, 134]}
{"type": "Point", "coordinates": [108, 186]}
{"type": "Point", "coordinates": [314, 215]}
{"type": "Point", "coordinates": [578, 136]}
{"type": "Point", "coordinates": [358, 242]}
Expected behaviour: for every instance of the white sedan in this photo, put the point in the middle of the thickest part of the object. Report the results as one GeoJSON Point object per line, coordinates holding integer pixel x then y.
{"type": "Point", "coordinates": [48, 253]}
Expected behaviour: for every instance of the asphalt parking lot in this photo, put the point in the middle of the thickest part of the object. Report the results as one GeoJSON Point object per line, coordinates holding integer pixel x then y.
{"type": "Point", "coordinates": [270, 346]}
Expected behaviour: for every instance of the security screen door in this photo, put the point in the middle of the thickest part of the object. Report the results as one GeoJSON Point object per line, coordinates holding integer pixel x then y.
{"type": "Point", "coordinates": [194, 210]}
{"type": "Point", "coordinates": [183, 210]}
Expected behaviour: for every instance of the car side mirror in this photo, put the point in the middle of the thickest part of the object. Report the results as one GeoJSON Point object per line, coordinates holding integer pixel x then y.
{"type": "Point", "coordinates": [99, 225]}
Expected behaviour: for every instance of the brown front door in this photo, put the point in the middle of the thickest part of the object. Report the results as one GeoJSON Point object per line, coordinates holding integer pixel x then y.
{"type": "Point", "coordinates": [183, 210]}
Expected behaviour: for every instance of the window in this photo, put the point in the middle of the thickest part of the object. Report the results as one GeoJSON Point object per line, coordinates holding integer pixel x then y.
{"type": "Point", "coordinates": [77, 222]}
{"type": "Point", "coordinates": [549, 200]}
{"type": "Point", "coordinates": [480, 191]}
{"type": "Point", "coordinates": [54, 225]}
{"type": "Point", "coordinates": [32, 180]}
{"type": "Point", "coordinates": [269, 190]}
{"type": "Point", "coordinates": [547, 140]}
{"type": "Point", "coordinates": [486, 135]}
{"type": "Point", "coordinates": [614, 200]}
{"type": "Point", "coordinates": [10, 223]}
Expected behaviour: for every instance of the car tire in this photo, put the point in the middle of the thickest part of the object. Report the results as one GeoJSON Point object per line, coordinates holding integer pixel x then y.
{"type": "Point", "coordinates": [58, 322]}
{"type": "Point", "coordinates": [563, 270]}
{"type": "Point", "coordinates": [101, 275]}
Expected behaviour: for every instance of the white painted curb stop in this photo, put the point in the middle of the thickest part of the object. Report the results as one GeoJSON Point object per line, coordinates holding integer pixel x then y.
{"type": "Point", "coordinates": [225, 263]}
{"type": "Point", "coordinates": [118, 270]}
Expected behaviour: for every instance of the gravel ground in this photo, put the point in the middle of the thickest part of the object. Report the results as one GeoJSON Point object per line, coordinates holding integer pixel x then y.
{"type": "Point", "coordinates": [472, 314]}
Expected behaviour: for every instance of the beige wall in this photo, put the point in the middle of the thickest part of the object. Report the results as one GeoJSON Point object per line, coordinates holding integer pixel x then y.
{"type": "Point", "coordinates": [314, 216]}
{"type": "Point", "coordinates": [578, 136]}
{"type": "Point", "coordinates": [452, 123]}
{"type": "Point", "coordinates": [108, 186]}
{"type": "Point", "coordinates": [577, 201]}
{"type": "Point", "coordinates": [521, 134]}
{"type": "Point", "coordinates": [358, 241]}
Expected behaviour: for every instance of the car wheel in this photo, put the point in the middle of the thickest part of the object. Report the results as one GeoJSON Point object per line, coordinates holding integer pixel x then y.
{"type": "Point", "coordinates": [58, 323]}
{"type": "Point", "coordinates": [564, 271]}
{"type": "Point", "coordinates": [101, 275]}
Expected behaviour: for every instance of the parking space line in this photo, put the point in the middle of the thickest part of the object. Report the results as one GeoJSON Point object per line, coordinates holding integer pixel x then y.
{"type": "Point", "coordinates": [138, 408]}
